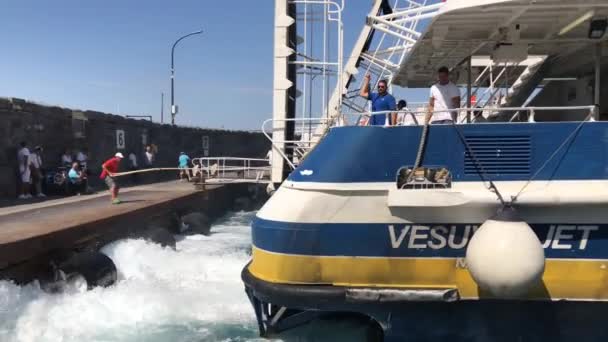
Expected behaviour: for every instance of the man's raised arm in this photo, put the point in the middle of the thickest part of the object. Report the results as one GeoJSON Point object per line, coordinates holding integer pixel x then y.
{"type": "Point", "coordinates": [364, 92]}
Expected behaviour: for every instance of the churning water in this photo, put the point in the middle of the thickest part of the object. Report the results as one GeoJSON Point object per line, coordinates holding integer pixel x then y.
{"type": "Point", "coordinates": [192, 294]}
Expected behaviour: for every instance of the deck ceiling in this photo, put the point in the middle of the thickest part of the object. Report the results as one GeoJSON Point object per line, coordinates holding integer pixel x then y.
{"type": "Point", "coordinates": [464, 28]}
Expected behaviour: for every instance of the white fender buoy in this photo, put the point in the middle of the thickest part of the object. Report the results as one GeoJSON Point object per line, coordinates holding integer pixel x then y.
{"type": "Point", "coordinates": [505, 257]}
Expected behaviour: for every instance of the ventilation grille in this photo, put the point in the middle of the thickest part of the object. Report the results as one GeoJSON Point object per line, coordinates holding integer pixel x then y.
{"type": "Point", "coordinates": [498, 155]}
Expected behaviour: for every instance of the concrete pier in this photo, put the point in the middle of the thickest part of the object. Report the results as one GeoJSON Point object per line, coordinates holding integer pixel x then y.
{"type": "Point", "coordinates": [33, 234]}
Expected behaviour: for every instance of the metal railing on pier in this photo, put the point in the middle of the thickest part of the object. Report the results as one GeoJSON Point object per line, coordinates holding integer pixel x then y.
{"type": "Point", "coordinates": [231, 170]}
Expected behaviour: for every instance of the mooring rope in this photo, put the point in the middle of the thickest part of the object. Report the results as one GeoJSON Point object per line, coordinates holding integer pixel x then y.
{"type": "Point", "coordinates": [572, 135]}
{"type": "Point", "coordinates": [481, 171]}
{"type": "Point", "coordinates": [421, 146]}
{"type": "Point", "coordinates": [419, 154]}
{"type": "Point", "coordinates": [126, 173]}
{"type": "Point", "coordinates": [492, 187]}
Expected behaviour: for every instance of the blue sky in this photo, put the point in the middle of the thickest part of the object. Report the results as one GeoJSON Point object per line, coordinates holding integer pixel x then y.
{"type": "Point", "coordinates": [114, 55]}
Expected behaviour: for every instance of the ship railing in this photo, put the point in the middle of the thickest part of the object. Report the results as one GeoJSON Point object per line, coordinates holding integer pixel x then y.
{"type": "Point", "coordinates": [519, 114]}
{"type": "Point", "coordinates": [305, 137]}
{"type": "Point", "coordinates": [293, 151]}
{"type": "Point", "coordinates": [231, 169]}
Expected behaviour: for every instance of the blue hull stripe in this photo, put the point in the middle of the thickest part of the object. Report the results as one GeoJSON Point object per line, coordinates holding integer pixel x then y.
{"type": "Point", "coordinates": [571, 241]}
{"type": "Point", "coordinates": [506, 151]}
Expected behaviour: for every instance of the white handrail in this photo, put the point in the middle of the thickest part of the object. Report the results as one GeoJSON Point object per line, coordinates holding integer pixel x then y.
{"type": "Point", "coordinates": [223, 166]}
{"type": "Point", "coordinates": [304, 145]}
{"type": "Point", "coordinates": [296, 143]}
{"type": "Point", "coordinates": [229, 159]}
{"type": "Point", "coordinates": [532, 110]}
{"type": "Point", "coordinates": [320, 120]}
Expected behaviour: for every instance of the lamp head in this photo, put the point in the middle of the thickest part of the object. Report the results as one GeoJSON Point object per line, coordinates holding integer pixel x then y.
{"type": "Point", "coordinates": [597, 28]}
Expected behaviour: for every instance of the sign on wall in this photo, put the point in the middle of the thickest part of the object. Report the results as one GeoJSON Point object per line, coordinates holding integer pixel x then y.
{"type": "Point", "coordinates": [120, 139]}
{"type": "Point", "coordinates": [144, 139]}
{"type": "Point", "coordinates": [205, 146]}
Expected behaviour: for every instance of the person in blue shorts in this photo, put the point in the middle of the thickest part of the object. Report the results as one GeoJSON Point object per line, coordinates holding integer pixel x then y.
{"type": "Point", "coordinates": [184, 163]}
{"type": "Point", "coordinates": [382, 101]}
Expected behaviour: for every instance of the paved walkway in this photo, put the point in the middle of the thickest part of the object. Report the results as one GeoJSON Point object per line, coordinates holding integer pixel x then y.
{"type": "Point", "coordinates": [30, 220]}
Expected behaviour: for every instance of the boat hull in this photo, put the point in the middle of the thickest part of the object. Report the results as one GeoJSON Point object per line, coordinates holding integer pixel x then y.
{"type": "Point", "coordinates": [460, 320]}
{"type": "Point", "coordinates": [340, 236]}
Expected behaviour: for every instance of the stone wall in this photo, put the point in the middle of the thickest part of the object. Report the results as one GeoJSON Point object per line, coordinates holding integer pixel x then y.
{"type": "Point", "coordinates": [57, 129]}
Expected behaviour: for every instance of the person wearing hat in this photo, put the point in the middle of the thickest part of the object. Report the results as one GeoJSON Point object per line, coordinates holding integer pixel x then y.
{"type": "Point", "coordinates": [110, 167]}
{"type": "Point", "coordinates": [183, 165]}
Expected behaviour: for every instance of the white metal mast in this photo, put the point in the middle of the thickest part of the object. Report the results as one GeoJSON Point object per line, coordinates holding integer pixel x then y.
{"type": "Point", "coordinates": [308, 42]}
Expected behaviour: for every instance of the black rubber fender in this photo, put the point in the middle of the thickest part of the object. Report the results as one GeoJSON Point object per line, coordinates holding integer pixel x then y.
{"type": "Point", "coordinates": [96, 268]}
{"type": "Point", "coordinates": [196, 223]}
{"type": "Point", "coordinates": [51, 279]}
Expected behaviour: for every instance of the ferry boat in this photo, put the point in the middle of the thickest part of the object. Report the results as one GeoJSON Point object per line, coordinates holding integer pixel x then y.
{"type": "Point", "coordinates": [464, 231]}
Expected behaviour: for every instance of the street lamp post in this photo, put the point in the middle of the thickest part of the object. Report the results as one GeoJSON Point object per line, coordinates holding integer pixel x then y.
{"type": "Point", "coordinates": [173, 107]}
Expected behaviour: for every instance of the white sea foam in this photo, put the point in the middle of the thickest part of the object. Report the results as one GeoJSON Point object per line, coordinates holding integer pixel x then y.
{"type": "Point", "coordinates": [192, 294]}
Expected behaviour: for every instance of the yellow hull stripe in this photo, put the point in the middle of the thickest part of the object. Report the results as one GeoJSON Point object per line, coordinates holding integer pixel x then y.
{"type": "Point", "coordinates": [563, 279]}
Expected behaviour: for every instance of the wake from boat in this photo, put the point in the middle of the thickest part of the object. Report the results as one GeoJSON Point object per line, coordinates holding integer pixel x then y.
{"type": "Point", "coordinates": [191, 294]}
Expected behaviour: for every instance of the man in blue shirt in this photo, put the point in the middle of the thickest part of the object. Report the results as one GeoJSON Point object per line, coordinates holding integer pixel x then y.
{"type": "Point", "coordinates": [184, 161]}
{"type": "Point", "coordinates": [382, 101]}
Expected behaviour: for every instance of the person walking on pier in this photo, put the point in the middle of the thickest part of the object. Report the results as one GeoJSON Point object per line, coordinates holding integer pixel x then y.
{"type": "Point", "coordinates": [184, 162]}
{"type": "Point", "coordinates": [110, 167]}
{"type": "Point", "coordinates": [149, 156]}
{"type": "Point", "coordinates": [36, 169]}
{"type": "Point", "coordinates": [133, 166]}
{"type": "Point", "coordinates": [23, 158]}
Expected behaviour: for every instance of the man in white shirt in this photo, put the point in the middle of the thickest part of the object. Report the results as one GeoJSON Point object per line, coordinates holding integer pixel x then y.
{"type": "Point", "coordinates": [149, 156]}
{"type": "Point", "coordinates": [444, 97]}
{"type": "Point", "coordinates": [23, 159]}
{"type": "Point", "coordinates": [133, 161]}
{"type": "Point", "coordinates": [133, 166]}
{"type": "Point", "coordinates": [66, 159]}
{"type": "Point", "coordinates": [82, 157]}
